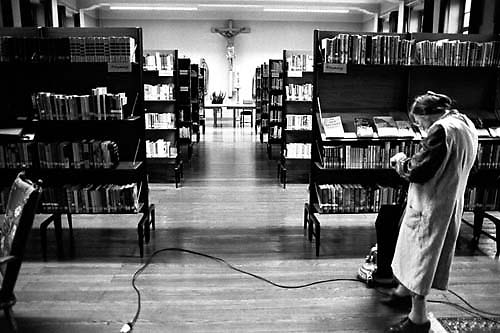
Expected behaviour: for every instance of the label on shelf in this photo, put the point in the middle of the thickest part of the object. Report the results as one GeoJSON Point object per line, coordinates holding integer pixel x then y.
{"type": "Point", "coordinates": [183, 88]}
{"type": "Point", "coordinates": [165, 72]}
{"type": "Point", "coordinates": [184, 72]}
{"type": "Point", "coordinates": [275, 74]}
{"type": "Point", "coordinates": [294, 73]}
{"type": "Point", "coordinates": [335, 68]}
{"type": "Point", "coordinates": [119, 67]}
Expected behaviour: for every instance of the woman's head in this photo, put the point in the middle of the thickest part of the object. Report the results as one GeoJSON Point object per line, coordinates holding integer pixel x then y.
{"type": "Point", "coordinates": [428, 108]}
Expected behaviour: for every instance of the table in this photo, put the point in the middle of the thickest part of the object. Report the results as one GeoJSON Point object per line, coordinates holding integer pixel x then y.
{"type": "Point", "coordinates": [233, 106]}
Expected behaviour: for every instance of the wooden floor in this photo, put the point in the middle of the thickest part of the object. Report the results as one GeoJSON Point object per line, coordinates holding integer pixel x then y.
{"type": "Point", "coordinates": [231, 206]}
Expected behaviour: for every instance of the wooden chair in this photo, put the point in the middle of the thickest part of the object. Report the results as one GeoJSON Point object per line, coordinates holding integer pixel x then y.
{"type": "Point", "coordinates": [15, 227]}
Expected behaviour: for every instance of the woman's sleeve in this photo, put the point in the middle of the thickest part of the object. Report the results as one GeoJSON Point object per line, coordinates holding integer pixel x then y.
{"type": "Point", "coordinates": [424, 164]}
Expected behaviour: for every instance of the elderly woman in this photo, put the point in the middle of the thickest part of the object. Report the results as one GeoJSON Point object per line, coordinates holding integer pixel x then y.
{"type": "Point", "coordinates": [429, 229]}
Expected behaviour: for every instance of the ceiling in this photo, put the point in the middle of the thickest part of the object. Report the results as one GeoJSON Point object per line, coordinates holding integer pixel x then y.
{"type": "Point", "coordinates": [263, 10]}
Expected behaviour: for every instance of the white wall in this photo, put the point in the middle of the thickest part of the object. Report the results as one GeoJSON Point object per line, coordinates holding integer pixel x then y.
{"type": "Point", "coordinates": [194, 40]}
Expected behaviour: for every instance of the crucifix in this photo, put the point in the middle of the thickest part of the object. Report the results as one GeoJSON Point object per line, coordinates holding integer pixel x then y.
{"type": "Point", "coordinates": [229, 33]}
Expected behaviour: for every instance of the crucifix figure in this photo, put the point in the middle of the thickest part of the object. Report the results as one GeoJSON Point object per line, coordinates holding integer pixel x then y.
{"type": "Point", "coordinates": [229, 33]}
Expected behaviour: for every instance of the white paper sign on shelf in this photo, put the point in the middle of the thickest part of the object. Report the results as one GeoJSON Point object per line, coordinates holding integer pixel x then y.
{"type": "Point", "coordinates": [335, 68]}
{"type": "Point", "coordinates": [119, 67]}
{"type": "Point", "coordinates": [164, 72]}
{"type": "Point", "coordinates": [294, 73]}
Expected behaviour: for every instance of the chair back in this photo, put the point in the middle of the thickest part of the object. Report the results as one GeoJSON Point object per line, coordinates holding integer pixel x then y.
{"type": "Point", "coordinates": [15, 227]}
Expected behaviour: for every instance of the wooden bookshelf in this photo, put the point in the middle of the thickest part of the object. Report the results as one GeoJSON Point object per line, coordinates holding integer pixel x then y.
{"type": "Point", "coordinates": [183, 103]}
{"type": "Point", "coordinates": [294, 162]}
{"type": "Point", "coordinates": [264, 103]}
{"type": "Point", "coordinates": [201, 97]}
{"type": "Point", "coordinates": [348, 86]}
{"type": "Point", "coordinates": [275, 107]}
{"type": "Point", "coordinates": [258, 100]}
{"type": "Point", "coordinates": [195, 100]}
{"type": "Point", "coordinates": [48, 60]}
{"type": "Point", "coordinates": [162, 132]}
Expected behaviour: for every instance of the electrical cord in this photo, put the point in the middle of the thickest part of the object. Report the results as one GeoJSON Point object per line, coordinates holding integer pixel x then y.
{"type": "Point", "coordinates": [128, 327]}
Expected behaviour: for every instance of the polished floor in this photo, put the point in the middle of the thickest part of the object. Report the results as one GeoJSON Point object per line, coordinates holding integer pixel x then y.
{"type": "Point", "coordinates": [230, 206]}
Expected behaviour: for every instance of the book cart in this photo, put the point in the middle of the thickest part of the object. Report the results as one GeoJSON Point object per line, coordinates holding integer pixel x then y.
{"type": "Point", "coordinates": [353, 175]}
{"type": "Point", "coordinates": [294, 162]}
{"type": "Point", "coordinates": [79, 93]}
{"type": "Point", "coordinates": [161, 114]}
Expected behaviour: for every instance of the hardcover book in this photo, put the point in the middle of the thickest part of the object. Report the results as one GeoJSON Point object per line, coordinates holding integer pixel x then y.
{"type": "Point", "coordinates": [333, 127]}
{"type": "Point", "coordinates": [364, 127]}
{"type": "Point", "coordinates": [386, 126]}
{"type": "Point", "coordinates": [405, 129]}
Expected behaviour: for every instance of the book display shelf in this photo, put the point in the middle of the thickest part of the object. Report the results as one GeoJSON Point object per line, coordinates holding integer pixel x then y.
{"type": "Point", "coordinates": [258, 100]}
{"type": "Point", "coordinates": [201, 98]}
{"type": "Point", "coordinates": [264, 103]}
{"type": "Point", "coordinates": [184, 106]}
{"type": "Point", "coordinates": [162, 130]}
{"type": "Point", "coordinates": [195, 100]}
{"type": "Point", "coordinates": [77, 96]}
{"type": "Point", "coordinates": [364, 84]}
{"type": "Point", "coordinates": [275, 107]}
{"type": "Point", "coordinates": [294, 162]}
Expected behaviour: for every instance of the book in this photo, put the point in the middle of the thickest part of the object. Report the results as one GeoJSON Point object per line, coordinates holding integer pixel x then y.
{"type": "Point", "coordinates": [333, 127]}
{"type": "Point", "coordinates": [363, 127]}
{"type": "Point", "coordinates": [386, 126]}
{"type": "Point", "coordinates": [405, 129]}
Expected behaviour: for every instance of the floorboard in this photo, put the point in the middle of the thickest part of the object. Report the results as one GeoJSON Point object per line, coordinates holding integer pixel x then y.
{"type": "Point", "coordinates": [230, 205]}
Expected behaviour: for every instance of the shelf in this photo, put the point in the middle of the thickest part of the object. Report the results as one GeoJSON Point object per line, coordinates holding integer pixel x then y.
{"type": "Point", "coordinates": [65, 211]}
{"type": "Point", "coordinates": [90, 121]}
{"type": "Point", "coordinates": [122, 166]}
{"type": "Point", "coordinates": [162, 129]}
{"type": "Point", "coordinates": [159, 100]}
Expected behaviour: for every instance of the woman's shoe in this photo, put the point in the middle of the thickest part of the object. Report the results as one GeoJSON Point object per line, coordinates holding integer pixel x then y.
{"type": "Point", "coordinates": [399, 302]}
{"type": "Point", "coordinates": [407, 326]}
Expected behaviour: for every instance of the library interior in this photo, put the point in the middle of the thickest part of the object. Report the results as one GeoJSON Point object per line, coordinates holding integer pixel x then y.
{"type": "Point", "coordinates": [249, 166]}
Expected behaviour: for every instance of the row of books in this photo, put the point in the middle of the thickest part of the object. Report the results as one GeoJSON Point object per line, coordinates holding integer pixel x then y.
{"type": "Point", "coordinates": [85, 154]}
{"type": "Point", "coordinates": [368, 157]}
{"type": "Point", "coordinates": [159, 92]}
{"type": "Point", "coordinates": [16, 155]}
{"type": "Point", "coordinates": [83, 199]}
{"type": "Point", "coordinates": [99, 105]}
{"type": "Point", "coordinates": [300, 62]}
{"type": "Point", "coordinates": [299, 92]}
{"type": "Point", "coordinates": [298, 150]}
{"type": "Point", "coordinates": [276, 83]}
{"type": "Point", "coordinates": [355, 198]}
{"type": "Point", "coordinates": [93, 49]}
{"type": "Point", "coordinates": [4, 198]}
{"type": "Point", "coordinates": [275, 132]}
{"type": "Point", "coordinates": [298, 122]}
{"type": "Point", "coordinates": [160, 120]}
{"type": "Point", "coordinates": [488, 155]}
{"type": "Point", "coordinates": [377, 126]}
{"type": "Point", "coordinates": [276, 115]}
{"type": "Point", "coordinates": [457, 53]}
{"type": "Point", "coordinates": [487, 198]}
{"type": "Point", "coordinates": [276, 100]}
{"type": "Point", "coordinates": [395, 50]}
{"type": "Point", "coordinates": [185, 132]}
{"type": "Point", "coordinates": [160, 149]}
{"type": "Point", "coordinates": [159, 61]}
{"type": "Point", "coordinates": [366, 49]}
{"type": "Point", "coordinates": [276, 67]}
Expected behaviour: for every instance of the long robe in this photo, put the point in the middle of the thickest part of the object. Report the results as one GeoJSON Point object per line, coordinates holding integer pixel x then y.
{"type": "Point", "coordinates": [431, 221]}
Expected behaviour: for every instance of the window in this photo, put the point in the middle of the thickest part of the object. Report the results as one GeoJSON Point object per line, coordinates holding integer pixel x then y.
{"type": "Point", "coordinates": [466, 17]}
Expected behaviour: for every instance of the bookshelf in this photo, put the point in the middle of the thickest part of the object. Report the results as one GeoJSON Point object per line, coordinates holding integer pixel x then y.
{"type": "Point", "coordinates": [275, 107]}
{"type": "Point", "coordinates": [294, 162]}
{"type": "Point", "coordinates": [380, 77]}
{"type": "Point", "coordinates": [201, 97]}
{"type": "Point", "coordinates": [264, 103]}
{"type": "Point", "coordinates": [184, 106]}
{"type": "Point", "coordinates": [258, 100]}
{"type": "Point", "coordinates": [195, 100]}
{"type": "Point", "coordinates": [162, 132]}
{"type": "Point", "coordinates": [96, 102]}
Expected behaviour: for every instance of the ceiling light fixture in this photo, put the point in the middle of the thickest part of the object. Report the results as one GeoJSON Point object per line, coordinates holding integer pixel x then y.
{"type": "Point", "coordinates": [154, 8]}
{"type": "Point", "coordinates": [229, 6]}
{"type": "Point", "coordinates": [307, 10]}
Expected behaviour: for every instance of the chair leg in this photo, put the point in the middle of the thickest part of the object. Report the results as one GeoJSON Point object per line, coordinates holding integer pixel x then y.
{"type": "Point", "coordinates": [9, 315]}
{"type": "Point", "coordinates": [71, 237]}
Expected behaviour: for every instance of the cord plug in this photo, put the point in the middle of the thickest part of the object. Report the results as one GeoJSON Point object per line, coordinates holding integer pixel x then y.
{"type": "Point", "coordinates": [126, 328]}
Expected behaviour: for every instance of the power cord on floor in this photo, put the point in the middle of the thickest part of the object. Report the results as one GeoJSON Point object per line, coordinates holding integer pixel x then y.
{"type": "Point", "coordinates": [128, 327]}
